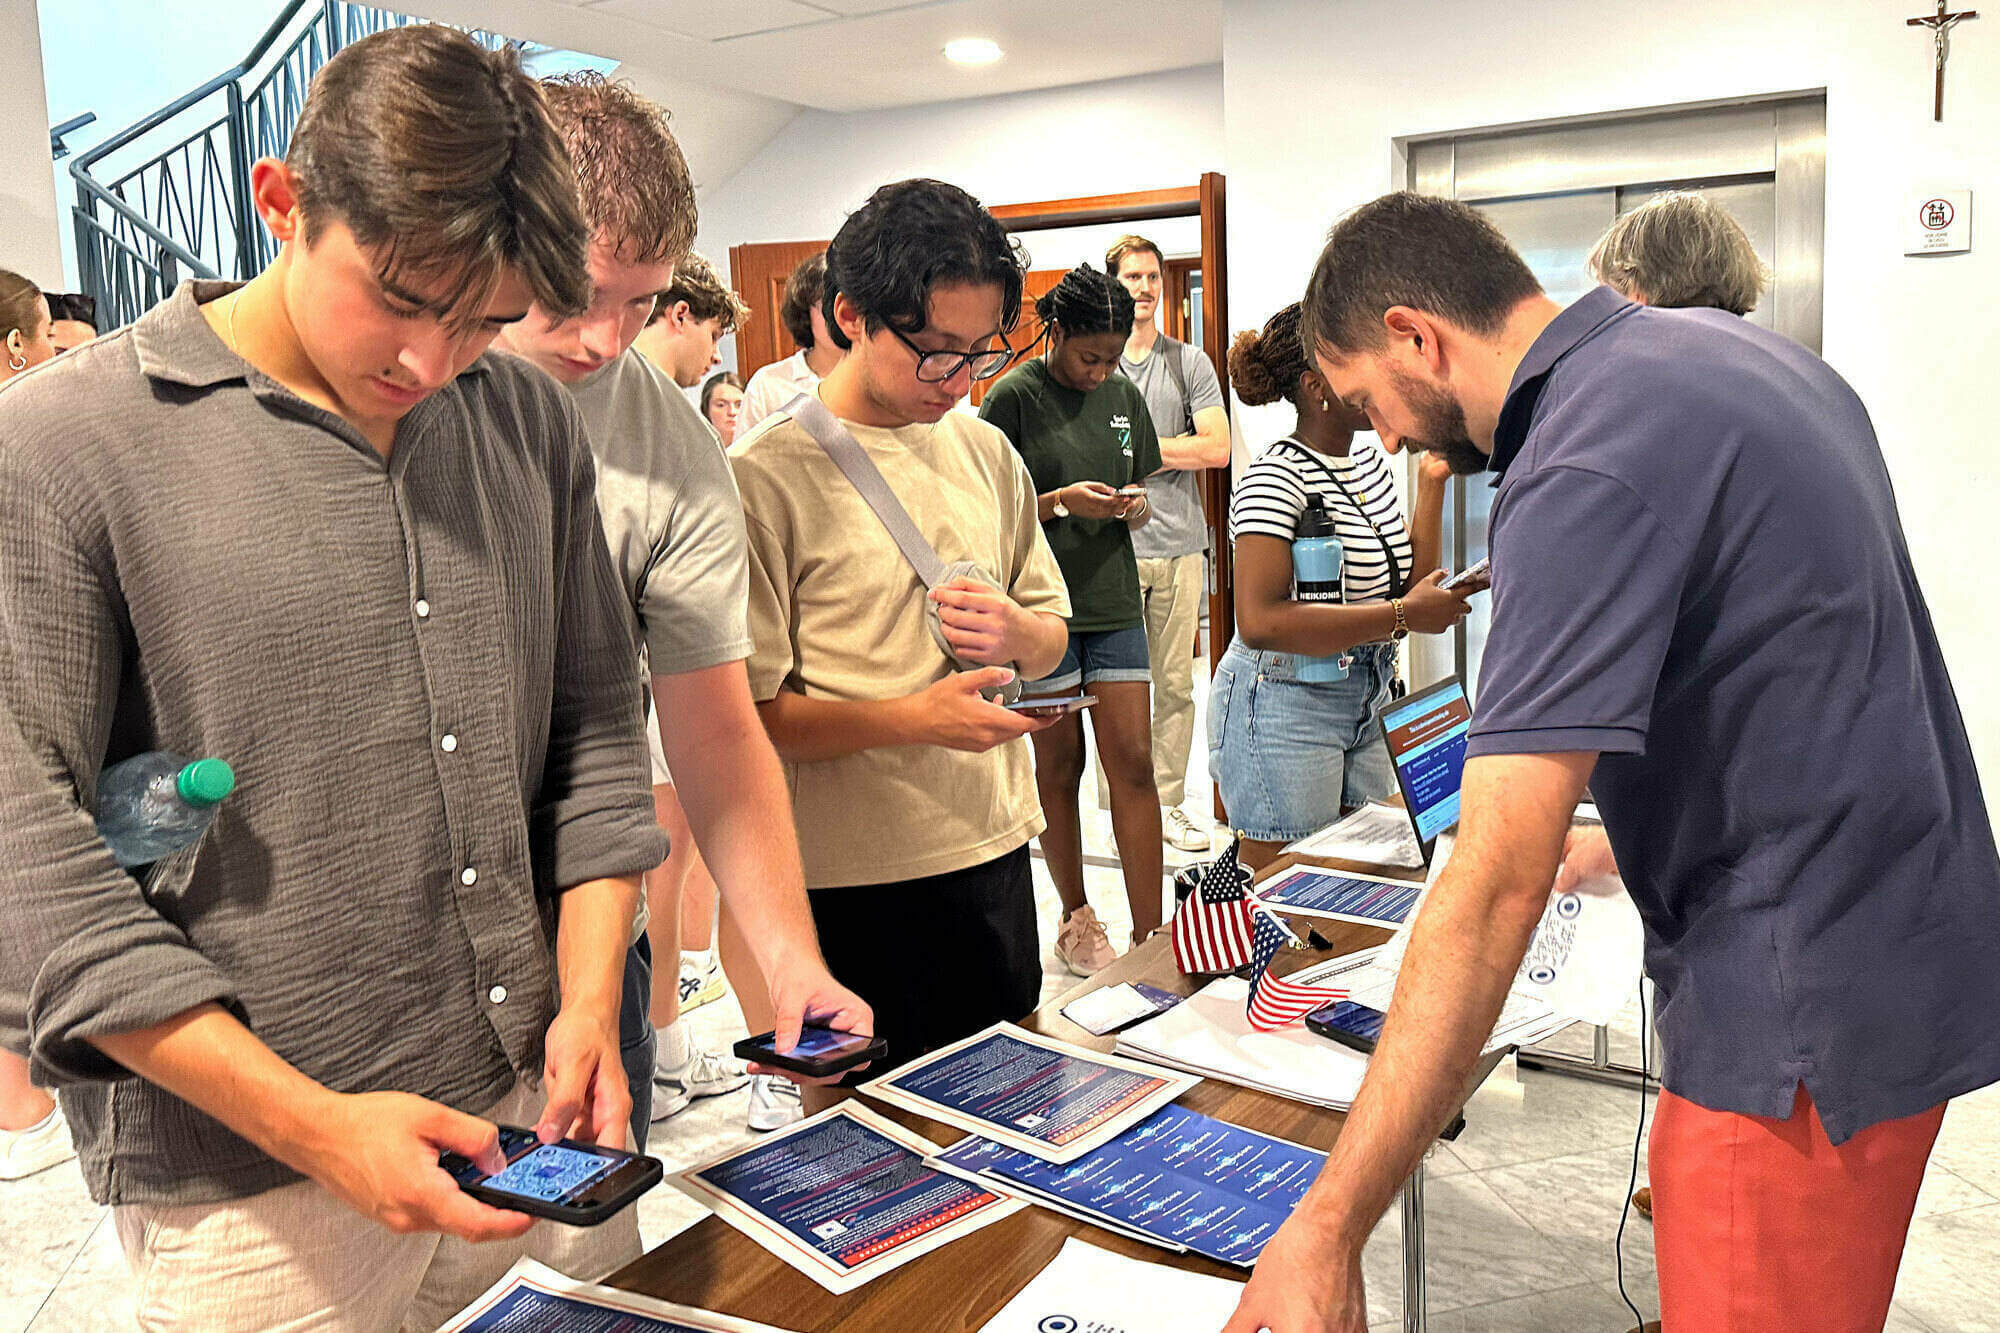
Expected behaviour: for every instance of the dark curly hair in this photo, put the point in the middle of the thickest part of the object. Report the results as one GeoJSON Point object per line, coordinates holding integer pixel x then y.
{"type": "Point", "coordinates": [908, 238]}
{"type": "Point", "coordinates": [1265, 366]}
{"type": "Point", "coordinates": [1086, 301]}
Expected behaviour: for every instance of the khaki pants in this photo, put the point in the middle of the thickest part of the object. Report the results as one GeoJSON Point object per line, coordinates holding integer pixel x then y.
{"type": "Point", "coordinates": [1172, 590]}
{"type": "Point", "coordinates": [295, 1258]}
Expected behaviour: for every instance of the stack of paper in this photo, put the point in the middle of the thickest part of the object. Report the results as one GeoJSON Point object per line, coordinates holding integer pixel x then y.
{"type": "Point", "coordinates": [1210, 1034]}
{"type": "Point", "coordinates": [532, 1296]}
{"type": "Point", "coordinates": [1373, 835]}
{"type": "Point", "coordinates": [1180, 1180]}
{"type": "Point", "coordinates": [1085, 1287]}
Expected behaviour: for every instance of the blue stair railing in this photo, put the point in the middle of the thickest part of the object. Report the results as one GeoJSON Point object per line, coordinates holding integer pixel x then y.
{"type": "Point", "coordinates": [169, 197]}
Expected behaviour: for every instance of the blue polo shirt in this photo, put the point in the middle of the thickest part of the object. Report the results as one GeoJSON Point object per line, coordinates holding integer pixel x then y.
{"type": "Point", "coordinates": [1699, 573]}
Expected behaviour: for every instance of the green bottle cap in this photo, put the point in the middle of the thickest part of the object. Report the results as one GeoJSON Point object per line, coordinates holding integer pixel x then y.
{"type": "Point", "coordinates": [206, 782]}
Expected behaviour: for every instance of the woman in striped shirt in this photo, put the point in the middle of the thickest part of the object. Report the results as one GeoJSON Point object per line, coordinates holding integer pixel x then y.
{"type": "Point", "coordinates": [1291, 756]}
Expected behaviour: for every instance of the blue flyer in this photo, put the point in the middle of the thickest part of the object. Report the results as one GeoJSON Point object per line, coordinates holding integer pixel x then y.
{"type": "Point", "coordinates": [1032, 1093]}
{"type": "Point", "coordinates": [844, 1197]}
{"type": "Point", "coordinates": [534, 1296]}
{"type": "Point", "coordinates": [1182, 1179]}
{"type": "Point", "coordinates": [1342, 897]}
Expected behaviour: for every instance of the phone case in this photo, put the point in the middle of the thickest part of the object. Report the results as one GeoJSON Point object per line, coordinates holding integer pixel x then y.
{"type": "Point", "coordinates": [753, 1049]}
{"type": "Point", "coordinates": [636, 1176]}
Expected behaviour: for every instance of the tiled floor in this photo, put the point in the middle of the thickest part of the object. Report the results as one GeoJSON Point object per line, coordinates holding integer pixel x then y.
{"type": "Point", "coordinates": [1521, 1214]}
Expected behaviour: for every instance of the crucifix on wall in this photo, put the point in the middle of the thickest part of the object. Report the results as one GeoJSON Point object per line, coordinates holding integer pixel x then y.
{"type": "Point", "coordinates": [1941, 24]}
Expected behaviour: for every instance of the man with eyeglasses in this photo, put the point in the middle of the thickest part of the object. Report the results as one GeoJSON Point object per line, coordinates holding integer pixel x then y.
{"type": "Point", "coordinates": [913, 794]}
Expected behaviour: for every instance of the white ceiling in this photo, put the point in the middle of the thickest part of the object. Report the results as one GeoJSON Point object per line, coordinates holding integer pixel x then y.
{"type": "Point", "coordinates": [852, 55]}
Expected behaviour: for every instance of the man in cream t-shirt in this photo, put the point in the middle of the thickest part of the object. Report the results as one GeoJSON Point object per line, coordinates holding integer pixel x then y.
{"type": "Point", "coordinates": [914, 796]}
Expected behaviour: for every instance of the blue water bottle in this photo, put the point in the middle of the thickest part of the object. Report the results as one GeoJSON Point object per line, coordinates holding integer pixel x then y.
{"type": "Point", "coordinates": [153, 804]}
{"type": "Point", "coordinates": [1317, 561]}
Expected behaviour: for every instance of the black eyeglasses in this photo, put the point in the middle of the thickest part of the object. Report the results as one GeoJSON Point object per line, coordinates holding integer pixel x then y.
{"type": "Point", "coordinates": [937, 367]}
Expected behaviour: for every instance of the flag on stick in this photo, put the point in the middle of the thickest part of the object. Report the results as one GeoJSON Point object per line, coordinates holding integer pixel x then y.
{"type": "Point", "coordinates": [1212, 926]}
{"type": "Point", "coordinates": [1274, 1001]}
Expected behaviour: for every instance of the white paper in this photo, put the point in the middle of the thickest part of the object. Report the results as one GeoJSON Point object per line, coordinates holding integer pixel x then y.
{"type": "Point", "coordinates": [1086, 1289]}
{"type": "Point", "coordinates": [1103, 1010]}
{"type": "Point", "coordinates": [1210, 1034]}
{"type": "Point", "coordinates": [1106, 1126]}
{"type": "Point", "coordinates": [582, 1303]}
{"type": "Point", "coordinates": [1375, 834]}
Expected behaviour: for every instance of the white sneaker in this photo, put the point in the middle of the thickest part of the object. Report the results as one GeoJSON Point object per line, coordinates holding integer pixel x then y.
{"type": "Point", "coordinates": [40, 1146]}
{"type": "Point", "coordinates": [700, 984]}
{"type": "Point", "coordinates": [1180, 831]}
{"type": "Point", "coordinates": [704, 1075]}
{"type": "Point", "coordinates": [774, 1103]}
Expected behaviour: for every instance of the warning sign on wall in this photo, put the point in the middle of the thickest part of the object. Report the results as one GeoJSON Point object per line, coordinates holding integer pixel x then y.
{"type": "Point", "coordinates": [1939, 223]}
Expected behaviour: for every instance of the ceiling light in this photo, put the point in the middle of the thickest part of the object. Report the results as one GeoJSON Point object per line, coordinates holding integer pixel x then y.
{"type": "Point", "coordinates": [972, 51]}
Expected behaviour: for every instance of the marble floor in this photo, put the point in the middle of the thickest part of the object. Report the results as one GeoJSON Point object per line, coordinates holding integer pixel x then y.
{"type": "Point", "coordinates": [1521, 1210]}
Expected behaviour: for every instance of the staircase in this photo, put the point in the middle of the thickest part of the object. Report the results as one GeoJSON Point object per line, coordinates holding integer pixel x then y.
{"type": "Point", "coordinates": [169, 198]}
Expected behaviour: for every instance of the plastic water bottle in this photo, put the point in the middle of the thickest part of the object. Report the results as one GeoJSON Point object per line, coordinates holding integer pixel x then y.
{"type": "Point", "coordinates": [154, 804]}
{"type": "Point", "coordinates": [1317, 562]}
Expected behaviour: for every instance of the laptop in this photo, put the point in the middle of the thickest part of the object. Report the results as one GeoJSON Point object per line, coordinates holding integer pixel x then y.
{"type": "Point", "coordinates": [1425, 733]}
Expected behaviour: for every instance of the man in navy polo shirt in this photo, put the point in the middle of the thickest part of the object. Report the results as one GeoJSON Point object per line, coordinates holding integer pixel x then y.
{"type": "Point", "coordinates": [1703, 606]}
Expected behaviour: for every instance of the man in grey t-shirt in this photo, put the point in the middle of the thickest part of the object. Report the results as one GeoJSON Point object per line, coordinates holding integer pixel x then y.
{"type": "Point", "coordinates": [675, 529]}
{"type": "Point", "coordinates": [1186, 403]}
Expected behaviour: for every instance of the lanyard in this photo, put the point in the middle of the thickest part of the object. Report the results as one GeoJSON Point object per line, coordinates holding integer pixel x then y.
{"type": "Point", "coordinates": [1396, 588]}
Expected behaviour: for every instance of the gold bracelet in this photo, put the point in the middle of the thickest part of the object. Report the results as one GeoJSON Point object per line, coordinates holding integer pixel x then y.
{"type": "Point", "coordinates": [1402, 629]}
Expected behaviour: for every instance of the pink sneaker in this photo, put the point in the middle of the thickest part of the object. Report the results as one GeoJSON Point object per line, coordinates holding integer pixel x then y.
{"type": "Point", "coordinates": [1082, 945]}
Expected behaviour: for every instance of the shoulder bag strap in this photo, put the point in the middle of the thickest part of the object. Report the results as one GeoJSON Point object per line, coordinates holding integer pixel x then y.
{"type": "Point", "coordinates": [861, 472]}
{"type": "Point", "coordinates": [1388, 547]}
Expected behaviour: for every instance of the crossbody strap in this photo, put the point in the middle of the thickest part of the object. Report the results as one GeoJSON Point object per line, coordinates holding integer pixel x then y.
{"type": "Point", "coordinates": [865, 477]}
{"type": "Point", "coordinates": [1396, 588]}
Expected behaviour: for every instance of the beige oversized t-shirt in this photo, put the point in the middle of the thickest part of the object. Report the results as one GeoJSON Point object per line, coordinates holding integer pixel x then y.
{"type": "Point", "coordinates": [836, 612]}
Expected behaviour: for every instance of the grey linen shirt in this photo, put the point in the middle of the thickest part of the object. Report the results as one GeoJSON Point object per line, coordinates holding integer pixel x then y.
{"type": "Point", "coordinates": [422, 670]}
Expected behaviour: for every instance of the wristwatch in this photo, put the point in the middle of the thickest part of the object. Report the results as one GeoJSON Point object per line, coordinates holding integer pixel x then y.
{"type": "Point", "coordinates": [1059, 509]}
{"type": "Point", "coordinates": [1402, 630]}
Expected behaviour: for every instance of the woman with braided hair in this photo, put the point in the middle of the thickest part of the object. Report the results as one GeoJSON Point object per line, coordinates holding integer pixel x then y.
{"type": "Point", "coordinates": [1290, 756]}
{"type": "Point", "coordinates": [1089, 444]}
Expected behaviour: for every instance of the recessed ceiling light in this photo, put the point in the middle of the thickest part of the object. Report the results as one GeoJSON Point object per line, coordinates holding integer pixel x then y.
{"type": "Point", "coordinates": [972, 51]}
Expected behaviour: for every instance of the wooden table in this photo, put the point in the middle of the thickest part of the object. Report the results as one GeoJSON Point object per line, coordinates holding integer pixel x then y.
{"type": "Point", "coordinates": [713, 1266]}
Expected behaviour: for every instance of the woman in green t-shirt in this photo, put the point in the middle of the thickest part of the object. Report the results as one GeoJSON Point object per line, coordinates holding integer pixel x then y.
{"type": "Point", "coordinates": [1084, 433]}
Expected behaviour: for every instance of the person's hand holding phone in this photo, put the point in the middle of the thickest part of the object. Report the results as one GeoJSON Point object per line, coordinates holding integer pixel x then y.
{"type": "Point", "coordinates": [955, 715]}
{"type": "Point", "coordinates": [1429, 609]}
{"type": "Point", "coordinates": [803, 991]}
{"type": "Point", "coordinates": [589, 1099]}
{"type": "Point", "coordinates": [377, 1152]}
{"type": "Point", "coordinates": [1091, 499]}
{"type": "Point", "coordinates": [1133, 502]}
{"type": "Point", "coordinates": [983, 624]}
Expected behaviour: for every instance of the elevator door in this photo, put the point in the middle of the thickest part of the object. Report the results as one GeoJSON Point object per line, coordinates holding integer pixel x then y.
{"type": "Point", "coordinates": [1553, 189]}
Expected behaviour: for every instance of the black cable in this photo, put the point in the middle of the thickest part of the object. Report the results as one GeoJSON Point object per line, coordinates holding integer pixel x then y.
{"type": "Point", "coordinates": [1645, 1066]}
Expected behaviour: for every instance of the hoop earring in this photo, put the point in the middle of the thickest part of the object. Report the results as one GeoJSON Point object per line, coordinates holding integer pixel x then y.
{"type": "Point", "coordinates": [16, 362]}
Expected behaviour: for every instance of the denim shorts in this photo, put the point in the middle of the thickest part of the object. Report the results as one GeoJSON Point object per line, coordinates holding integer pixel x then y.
{"type": "Point", "coordinates": [1288, 756]}
{"type": "Point", "coordinates": [1093, 655]}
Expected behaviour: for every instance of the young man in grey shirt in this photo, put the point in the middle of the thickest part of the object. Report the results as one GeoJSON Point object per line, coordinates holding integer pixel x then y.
{"type": "Point", "coordinates": [306, 525]}
{"type": "Point", "coordinates": [1186, 403]}
{"type": "Point", "coordinates": [675, 529]}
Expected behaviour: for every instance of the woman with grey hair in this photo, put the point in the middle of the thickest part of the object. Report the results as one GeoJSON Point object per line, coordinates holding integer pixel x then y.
{"type": "Point", "coordinates": [1680, 249]}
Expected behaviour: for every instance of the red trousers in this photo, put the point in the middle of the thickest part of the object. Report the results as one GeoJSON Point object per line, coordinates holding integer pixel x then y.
{"type": "Point", "coordinates": [1762, 1224]}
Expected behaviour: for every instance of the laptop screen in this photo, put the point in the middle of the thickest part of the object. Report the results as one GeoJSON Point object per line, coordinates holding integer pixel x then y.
{"type": "Point", "coordinates": [1426, 735]}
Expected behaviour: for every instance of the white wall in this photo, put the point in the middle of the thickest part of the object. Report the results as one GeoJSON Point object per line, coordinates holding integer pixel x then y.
{"type": "Point", "coordinates": [1150, 132]}
{"type": "Point", "coordinates": [30, 236]}
{"type": "Point", "coordinates": [1312, 106]}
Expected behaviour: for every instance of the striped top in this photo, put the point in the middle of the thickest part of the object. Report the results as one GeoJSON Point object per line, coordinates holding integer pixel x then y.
{"type": "Point", "coordinates": [1271, 495]}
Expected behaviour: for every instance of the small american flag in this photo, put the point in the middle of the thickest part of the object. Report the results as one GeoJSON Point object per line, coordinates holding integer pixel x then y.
{"type": "Point", "coordinates": [1212, 927]}
{"type": "Point", "coordinates": [1274, 1001]}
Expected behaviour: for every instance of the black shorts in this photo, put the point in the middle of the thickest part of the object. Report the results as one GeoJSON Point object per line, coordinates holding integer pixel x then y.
{"type": "Point", "coordinates": [937, 958]}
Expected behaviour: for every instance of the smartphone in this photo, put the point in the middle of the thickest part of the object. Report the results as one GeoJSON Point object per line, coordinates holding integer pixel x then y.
{"type": "Point", "coordinates": [1134, 489]}
{"type": "Point", "coordinates": [565, 1181]}
{"type": "Point", "coordinates": [821, 1052]}
{"type": "Point", "coordinates": [1476, 570]}
{"type": "Point", "coordinates": [1045, 707]}
{"type": "Point", "coordinates": [1348, 1023]}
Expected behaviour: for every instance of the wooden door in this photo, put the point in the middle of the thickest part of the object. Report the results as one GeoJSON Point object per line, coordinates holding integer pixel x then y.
{"type": "Point", "coordinates": [758, 274]}
{"type": "Point", "coordinates": [1215, 484]}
